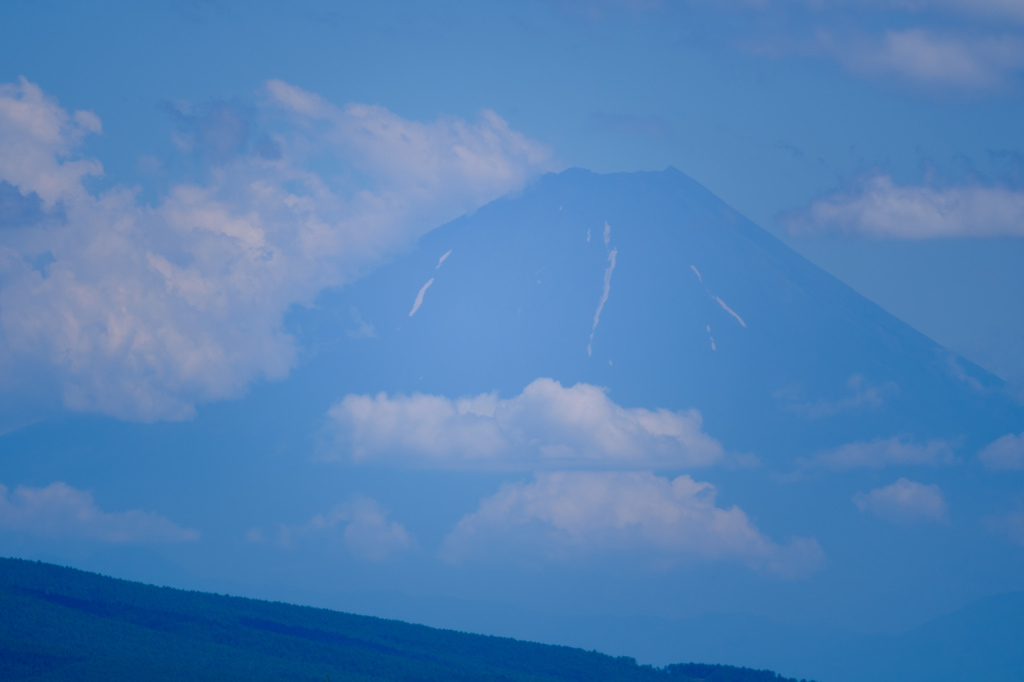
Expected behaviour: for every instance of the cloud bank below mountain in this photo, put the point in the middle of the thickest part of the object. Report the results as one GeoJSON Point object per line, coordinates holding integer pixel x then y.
{"type": "Point", "coordinates": [547, 425]}
{"type": "Point", "coordinates": [567, 514]}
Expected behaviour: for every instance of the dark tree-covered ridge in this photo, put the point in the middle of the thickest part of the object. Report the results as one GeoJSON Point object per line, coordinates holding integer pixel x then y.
{"type": "Point", "coordinates": [63, 624]}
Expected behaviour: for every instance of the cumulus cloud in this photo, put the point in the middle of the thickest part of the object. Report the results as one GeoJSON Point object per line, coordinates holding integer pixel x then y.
{"type": "Point", "coordinates": [60, 511]}
{"type": "Point", "coordinates": [143, 311]}
{"type": "Point", "coordinates": [361, 525]}
{"type": "Point", "coordinates": [883, 452]}
{"type": "Point", "coordinates": [563, 514]}
{"type": "Point", "coordinates": [904, 502]}
{"type": "Point", "coordinates": [546, 425]}
{"type": "Point", "coordinates": [881, 208]}
{"type": "Point", "coordinates": [1004, 454]}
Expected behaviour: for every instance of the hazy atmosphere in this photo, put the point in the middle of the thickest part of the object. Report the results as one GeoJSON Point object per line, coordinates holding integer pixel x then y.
{"type": "Point", "coordinates": [677, 330]}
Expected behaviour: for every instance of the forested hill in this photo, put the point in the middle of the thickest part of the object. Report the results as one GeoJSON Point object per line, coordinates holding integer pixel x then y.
{"type": "Point", "coordinates": [63, 624]}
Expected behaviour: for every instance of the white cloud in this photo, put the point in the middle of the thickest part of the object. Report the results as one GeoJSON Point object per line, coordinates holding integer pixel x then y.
{"type": "Point", "coordinates": [416, 163]}
{"type": "Point", "coordinates": [883, 452]}
{"type": "Point", "coordinates": [36, 138]}
{"type": "Point", "coordinates": [1005, 453]}
{"type": "Point", "coordinates": [60, 511]}
{"type": "Point", "coordinates": [904, 502]}
{"type": "Point", "coordinates": [571, 513]}
{"type": "Point", "coordinates": [141, 312]}
{"type": "Point", "coordinates": [880, 208]}
{"type": "Point", "coordinates": [546, 425]}
{"type": "Point", "coordinates": [933, 45]}
{"type": "Point", "coordinates": [362, 525]}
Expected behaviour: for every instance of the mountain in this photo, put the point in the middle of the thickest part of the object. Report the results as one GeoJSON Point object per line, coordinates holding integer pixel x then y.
{"type": "Point", "coordinates": [64, 624]}
{"type": "Point", "coordinates": [607, 412]}
{"type": "Point", "coordinates": [648, 284]}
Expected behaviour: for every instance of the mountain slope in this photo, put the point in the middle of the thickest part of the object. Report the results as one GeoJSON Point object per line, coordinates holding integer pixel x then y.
{"type": "Point", "coordinates": [63, 624]}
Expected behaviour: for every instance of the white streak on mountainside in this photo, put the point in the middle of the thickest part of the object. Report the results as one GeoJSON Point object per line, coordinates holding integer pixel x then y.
{"type": "Point", "coordinates": [419, 297]}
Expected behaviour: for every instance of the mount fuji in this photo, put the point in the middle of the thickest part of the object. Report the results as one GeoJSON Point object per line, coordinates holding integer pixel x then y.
{"type": "Point", "coordinates": [650, 286]}
{"type": "Point", "coordinates": [611, 408]}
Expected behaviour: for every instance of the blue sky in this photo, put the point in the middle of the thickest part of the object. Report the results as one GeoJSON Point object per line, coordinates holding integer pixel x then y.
{"type": "Point", "coordinates": [193, 193]}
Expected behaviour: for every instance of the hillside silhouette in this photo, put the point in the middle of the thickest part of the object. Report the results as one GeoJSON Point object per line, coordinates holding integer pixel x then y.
{"type": "Point", "coordinates": [64, 624]}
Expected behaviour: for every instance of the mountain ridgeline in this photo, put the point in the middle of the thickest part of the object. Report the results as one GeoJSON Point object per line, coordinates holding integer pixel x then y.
{"type": "Point", "coordinates": [63, 624]}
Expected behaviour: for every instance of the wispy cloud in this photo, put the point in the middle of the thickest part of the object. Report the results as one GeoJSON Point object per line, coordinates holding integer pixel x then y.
{"type": "Point", "coordinates": [142, 312]}
{"type": "Point", "coordinates": [904, 502]}
{"type": "Point", "coordinates": [936, 47]}
{"type": "Point", "coordinates": [862, 394]}
{"type": "Point", "coordinates": [924, 58]}
{"type": "Point", "coordinates": [1004, 454]}
{"type": "Point", "coordinates": [883, 452]}
{"type": "Point", "coordinates": [878, 207]}
{"type": "Point", "coordinates": [60, 511]}
{"type": "Point", "coordinates": [565, 514]}
{"type": "Point", "coordinates": [362, 526]}
{"type": "Point", "coordinates": [999, 9]}
{"type": "Point", "coordinates": [547, 425]}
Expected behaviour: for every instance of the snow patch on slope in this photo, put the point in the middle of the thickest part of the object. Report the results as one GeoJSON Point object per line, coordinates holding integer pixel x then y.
{"type": "Point", "coordinates": [604, 295]}
{"type": "Point", "coordinates": [731, 312]}
{"type": "Point", "coordinates": [419, 297]}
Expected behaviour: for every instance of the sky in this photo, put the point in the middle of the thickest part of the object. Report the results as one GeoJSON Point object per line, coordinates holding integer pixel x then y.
{"type": "Point", "coordinates": [181, 183]}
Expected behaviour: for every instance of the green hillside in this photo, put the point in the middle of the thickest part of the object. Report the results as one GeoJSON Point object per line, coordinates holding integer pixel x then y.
{"type": "Point", "coordinates": [63, 624]}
